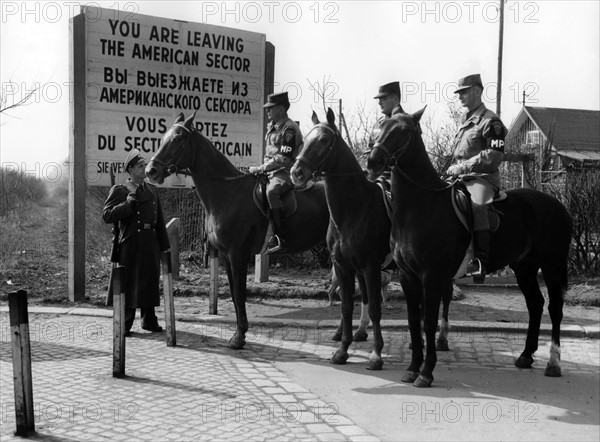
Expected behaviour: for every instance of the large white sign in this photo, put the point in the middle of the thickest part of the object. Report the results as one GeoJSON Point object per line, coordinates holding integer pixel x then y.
{"type": "Point", "coordinates": [142, 71]}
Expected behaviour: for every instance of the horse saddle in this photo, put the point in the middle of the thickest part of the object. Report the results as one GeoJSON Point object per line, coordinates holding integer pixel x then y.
{"type": "Point", "coordinates": [464, 193]}
{"type": "Point", "coordinates": [475, 190]}
{"type": "Point", "coordinates": [290, 204]}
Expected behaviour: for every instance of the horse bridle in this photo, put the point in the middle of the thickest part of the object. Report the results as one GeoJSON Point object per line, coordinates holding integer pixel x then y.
{"type": "Point", "coordinates": [393, 158]}
{"type": "Point", "coordinates": [173, 168]}
{"type": "Point", "coordinates": [318, 168]}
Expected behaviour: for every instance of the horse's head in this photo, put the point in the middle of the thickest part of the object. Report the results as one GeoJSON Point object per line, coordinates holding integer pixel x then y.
{"type": "Point", "coordinates": [175, 151]}
{"type": "Point", "coordinates": [318, 147]}
{"type": "Point", "coordinates": [397, 132]}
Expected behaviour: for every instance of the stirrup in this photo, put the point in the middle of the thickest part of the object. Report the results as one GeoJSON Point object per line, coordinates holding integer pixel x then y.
{"type": "Point", "coordinates": [476, 270]}
{"type": "Point", "coordinates": [275, 244]}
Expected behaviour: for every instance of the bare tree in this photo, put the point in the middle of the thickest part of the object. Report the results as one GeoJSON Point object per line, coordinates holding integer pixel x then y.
{"type": "Point", "coordinates": [439, 139]}
{"type": "Point", "coordinates": [4, 106]}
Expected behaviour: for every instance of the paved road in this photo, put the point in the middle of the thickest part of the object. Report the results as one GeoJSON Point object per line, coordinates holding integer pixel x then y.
{"type": "Point", "coordinates": [282, 387]}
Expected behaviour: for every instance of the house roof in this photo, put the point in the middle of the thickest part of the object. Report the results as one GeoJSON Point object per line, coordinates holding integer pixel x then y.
{"type": "Point", "coordinates": [574, 129]}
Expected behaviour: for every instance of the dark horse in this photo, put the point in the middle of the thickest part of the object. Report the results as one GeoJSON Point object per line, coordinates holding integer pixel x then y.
{"type": "Point", "coordinates": [359, 232]}
{"type": "Point", "coordinates": [429, 243]}
{"type": "Point", "coordinates": [235, 225]}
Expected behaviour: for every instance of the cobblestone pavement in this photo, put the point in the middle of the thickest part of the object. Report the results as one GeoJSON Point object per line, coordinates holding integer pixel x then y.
{"type": "Point", "coordinates": [282, 387]}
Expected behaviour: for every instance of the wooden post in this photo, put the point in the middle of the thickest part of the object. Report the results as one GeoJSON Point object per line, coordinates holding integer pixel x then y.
{"type": "Point", "coordinates": [118, 323]}
{"type": "Point", "coordinates": [261, 268]}
{"type": "Point", "coordinates": [213, 294]}
{"type": "Point", "coordinates": [173, 232]}
{"type": "Point", "coordinates": [167, 278]}
{"type": "Point", "coordinates": [21, 356]}
{"type": "Point", "coordinates": [77, 160]}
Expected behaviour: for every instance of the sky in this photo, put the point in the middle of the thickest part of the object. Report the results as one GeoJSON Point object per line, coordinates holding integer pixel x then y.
{"type": "Point", "coordinates": [551, 50]}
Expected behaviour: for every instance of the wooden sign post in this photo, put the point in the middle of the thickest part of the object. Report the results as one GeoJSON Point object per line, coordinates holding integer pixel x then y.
{"type": "Point", "coordinates": [167, 278]}
{"type": "Point", "coordinates": [118, 322]}
{"type": "Point", "coordinates": [21, 355]}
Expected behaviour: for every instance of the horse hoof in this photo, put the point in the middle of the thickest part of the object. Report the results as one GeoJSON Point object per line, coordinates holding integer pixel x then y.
{"type": "Point", "coordinates": [524, 362]}
{"type": "Point", "coordinates": [442, 346]}
{"type": "Point", "coordinates": [236, 344]}
{"type": "Point", "coordinates": [374, 364]}
{"type": "Point", "coordinates": [553, 371]}
{"type": "Point", "coordinates": [410, 377]}
{"type": "Point", "coordinates": [360, 336]}
{"type": "Point", "coordinates": [423, 381]}
{"type": "Point", "coordinates": [337, 336]}
{"type": "Point", "coordinates": [339, 358]}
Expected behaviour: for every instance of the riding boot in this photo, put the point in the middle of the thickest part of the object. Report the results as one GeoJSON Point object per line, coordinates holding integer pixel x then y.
{"type": "Point", "coordinates": [276, 242]}
{"type": "Point", "coordinates": [482, 250]}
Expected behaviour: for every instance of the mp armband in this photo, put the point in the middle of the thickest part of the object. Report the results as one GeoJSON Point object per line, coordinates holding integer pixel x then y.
{"type": "Point", "coordinates": [496, 144]}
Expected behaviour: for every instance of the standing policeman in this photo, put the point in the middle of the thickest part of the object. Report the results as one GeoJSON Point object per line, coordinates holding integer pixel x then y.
{"type": "Point", "coordinates": [283, 144]}
{"type": "Point", "coordinates": [478, 150]}
{"type": "Point", "coordinates": [142, 237]}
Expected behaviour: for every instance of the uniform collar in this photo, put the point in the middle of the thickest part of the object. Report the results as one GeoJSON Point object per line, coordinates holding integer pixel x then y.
{"type": "Point", "coordinates": [278, 124]}
{"type": "Point", "coordinates": [479, 110]}
{"type": "Point", "coordinates": [473, 115]}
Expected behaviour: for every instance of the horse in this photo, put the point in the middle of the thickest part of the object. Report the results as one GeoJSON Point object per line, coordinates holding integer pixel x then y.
{"type": "Point", "coordinates": [359, 232]}
{"type": "Point", "coordinates": [235, 224]}
{"type": "Point", "coordinates": [429, 244]}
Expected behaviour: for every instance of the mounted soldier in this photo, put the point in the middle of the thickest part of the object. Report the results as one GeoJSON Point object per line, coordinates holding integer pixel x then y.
{"type": "Point", "coordinates": [283, 144]}
{"type": "Point", "coordinates": [479, 151]}
{"type": "Point", "coordinates": [389, 103]}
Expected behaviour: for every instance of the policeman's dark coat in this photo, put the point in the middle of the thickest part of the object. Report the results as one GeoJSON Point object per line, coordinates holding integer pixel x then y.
{"type": "Point", "coordinates": [142, 237]}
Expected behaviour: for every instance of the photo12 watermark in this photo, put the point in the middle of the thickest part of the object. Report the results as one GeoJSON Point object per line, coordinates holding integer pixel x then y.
{"type": "Point", "coordinates": [469, 412]}
{"type": "Point", "coordinates": [468, 12]}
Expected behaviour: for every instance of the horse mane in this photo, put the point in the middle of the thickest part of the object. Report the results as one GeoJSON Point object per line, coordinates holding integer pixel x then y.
{"type": "Point", "coordinates": [214, 155]}
{"type": "Point", "coordinates": [417, 151]}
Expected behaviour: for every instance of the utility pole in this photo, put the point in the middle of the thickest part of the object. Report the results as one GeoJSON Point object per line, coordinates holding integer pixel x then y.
{"type": "Point", "coordinates": [500, 44]}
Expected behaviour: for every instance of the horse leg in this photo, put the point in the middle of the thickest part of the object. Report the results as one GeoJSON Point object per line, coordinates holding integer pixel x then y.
{"type": "Point", "coordinates": [236, 274]}
{"type": "Point", "coordinates": [556, 283]}
{"type": "Point", "coordinates": [442, 340]}
{"type": "Point", "coordinates": [337, 335]}
{"type": "Point", "coordinates": [434, 290]}
{"type": "Point", "coordinates": [413, 291]}
{"type": "Point", "coordinates": [372, 282]}
{"type": "Point", "coordinates": [526, 273]}
{"type": "Point", "coordinates": [361, 333]}
{"type": "Point", "coordinates": [346, 280]}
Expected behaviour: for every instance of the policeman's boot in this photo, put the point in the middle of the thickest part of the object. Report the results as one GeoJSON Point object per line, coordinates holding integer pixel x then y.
{"type": "Point", "coordinates": [477, 267]}
{"type": "Point", "coordinates": [276, 242]}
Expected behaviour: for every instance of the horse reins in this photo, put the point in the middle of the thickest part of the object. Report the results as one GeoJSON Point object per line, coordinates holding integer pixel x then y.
{"type": "Point", "coordinates": [394, 158]}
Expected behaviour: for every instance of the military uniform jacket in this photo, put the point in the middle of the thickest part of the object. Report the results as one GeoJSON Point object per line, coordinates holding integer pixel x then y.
{"type": "Point", "coordinates": [377, 126]}
{"type": "Point", "coordinates": [479, 144]}
{"type": "Point", "coordinates": [142, 237]}
{"type": "Point", "coordinates": [283, 144]}
{"type": "Point", "coordinates": [387, 172]}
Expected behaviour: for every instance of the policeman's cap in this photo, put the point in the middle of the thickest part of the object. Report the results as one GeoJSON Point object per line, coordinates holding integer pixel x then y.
{"type": "Point", "coordinates": [469, 81]}
{"type": "Point", "coordinates": [388, 89]}
{"type": "Point", "coordinates": [134, 157]}
{"type": "Point", "coordinates": [278, 99]}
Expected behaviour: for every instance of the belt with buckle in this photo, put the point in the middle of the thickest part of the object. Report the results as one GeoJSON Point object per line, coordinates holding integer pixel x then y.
{"type": "Point", "coordinates": [148, 226]}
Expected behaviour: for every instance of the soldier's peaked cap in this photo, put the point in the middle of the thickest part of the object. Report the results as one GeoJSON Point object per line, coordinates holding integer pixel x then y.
{"type": "Point", "coordinates": [469, 81]}
{"type": "Point", "coordinates": [278, 99]}
{"type": "Point", "coordinates": [134, 157]}
{"type": "Point", "coordinates": [389, 88]}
